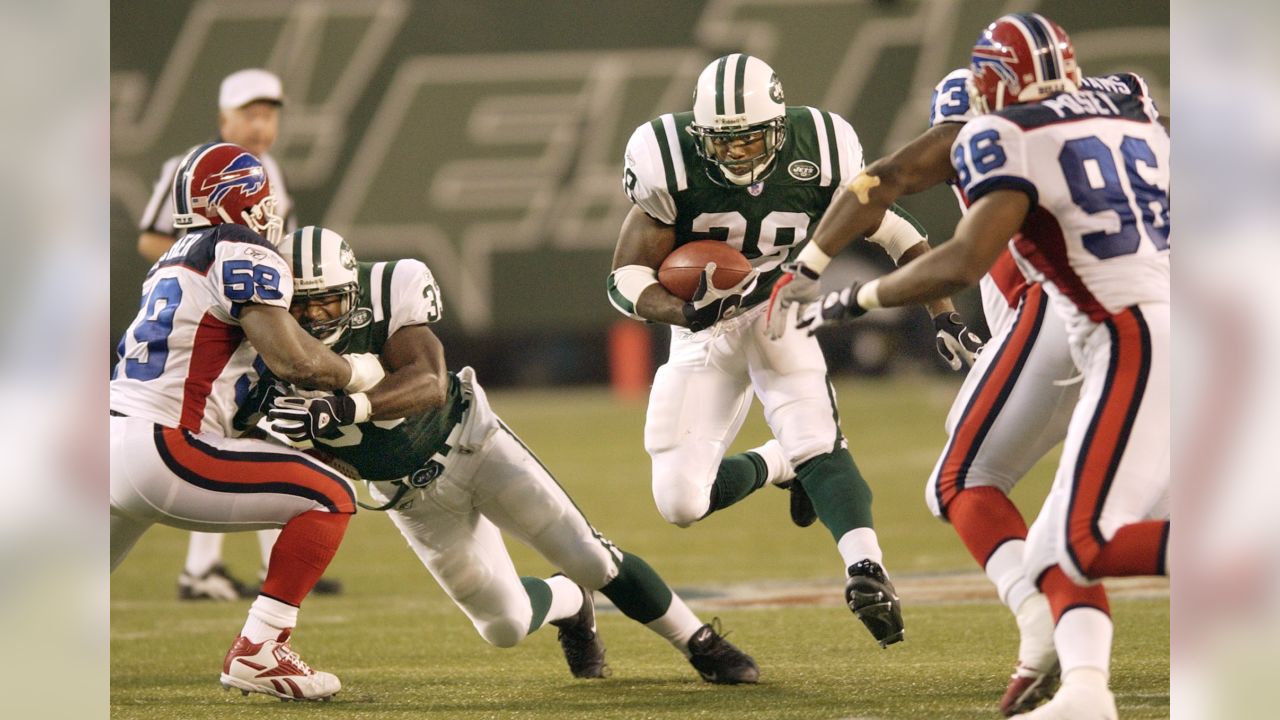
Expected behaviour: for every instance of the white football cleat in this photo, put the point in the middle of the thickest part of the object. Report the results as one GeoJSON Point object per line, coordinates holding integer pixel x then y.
{"type": "Point", "coordinates": [1079, 698]}
{"type": "Point", "coordinates": [271, 667]}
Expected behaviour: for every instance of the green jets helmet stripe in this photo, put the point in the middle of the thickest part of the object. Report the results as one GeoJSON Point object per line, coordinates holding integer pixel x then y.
{"type": "Point", "coordinates": [739, 79]}
{"type": "Point", "coordinates": [316, 253]}
{"type": "Point", "coordinates": [720, 84]}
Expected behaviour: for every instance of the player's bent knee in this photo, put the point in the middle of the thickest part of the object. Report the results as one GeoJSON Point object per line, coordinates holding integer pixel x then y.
{"type": "Point", "coordinates": [504, 632]}
{"type": "Point", "coordinates": [682, 514]}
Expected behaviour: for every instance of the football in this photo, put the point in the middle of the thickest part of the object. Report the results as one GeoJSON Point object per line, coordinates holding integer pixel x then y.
{"type": "Point", "coordinates": [683, 268]}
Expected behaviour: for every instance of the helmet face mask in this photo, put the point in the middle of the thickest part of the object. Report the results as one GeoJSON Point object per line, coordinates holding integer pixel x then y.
{"type": "Point", "coordinates": [220, 183]}
{"type": "Point", "coordinates": [1019, 58]}
{"type": "Point", "coordinates": [739, 118]}
{"type": "Point", "coordinates": [325, 276]}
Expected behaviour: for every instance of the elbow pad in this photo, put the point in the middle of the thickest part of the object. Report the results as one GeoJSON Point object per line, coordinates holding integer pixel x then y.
{"type": "Point", "coordinates": [625, 285]}
{"type": "Point", "coordinates": [897, 233]}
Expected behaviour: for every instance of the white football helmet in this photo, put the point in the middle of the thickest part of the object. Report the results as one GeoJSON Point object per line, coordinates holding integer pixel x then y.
{"type": "Point", "coordinates": [739, 117]}
{"type": "Point", "coordinates": [323, 267]}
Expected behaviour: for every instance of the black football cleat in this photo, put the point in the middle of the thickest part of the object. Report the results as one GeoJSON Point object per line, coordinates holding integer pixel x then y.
{"type": "Point", "coordinates": [802, 512]}
{"type": "Point", "coordinates": [717, 660]}
{"type": "Point", "coordinates": [217, 584]}
{"type": "Point", "coordinates": [581, 643]}
{"type": "Point", "coordinates": [872, 598]}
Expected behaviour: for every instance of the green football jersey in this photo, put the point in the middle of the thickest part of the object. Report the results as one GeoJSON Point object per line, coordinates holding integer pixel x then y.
{"type": "Point", "coordinates": [768, 221]}
{"type": "Point", "coordinates": [392, 295]}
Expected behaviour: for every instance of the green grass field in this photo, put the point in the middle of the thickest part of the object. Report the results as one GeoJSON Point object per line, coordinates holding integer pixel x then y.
{"type": "Point", "coordinates": [403, 650]}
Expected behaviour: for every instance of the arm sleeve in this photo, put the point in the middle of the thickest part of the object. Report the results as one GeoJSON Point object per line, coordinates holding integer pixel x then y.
{"type": "Point", "coordinates": [157, 217]}
{"type": "Point", "coordinates": [990, 154]}
{"type": "Point", "coordinates": [415, 296]}
{"type": "Point", "coordinates": [849, 149]}
{"type": "Point", "coordinates": [645, 172]}
{"type": "Point", "coordinates": [245, 270]}
{"type": "Point", "coordinates": [950, 103]}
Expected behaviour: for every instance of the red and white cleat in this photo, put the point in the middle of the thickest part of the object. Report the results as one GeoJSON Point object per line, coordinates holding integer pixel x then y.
{"type": "Point", "coordinates": [1028, 687]}
{"type": "Point", "coordinates": [271, 667]}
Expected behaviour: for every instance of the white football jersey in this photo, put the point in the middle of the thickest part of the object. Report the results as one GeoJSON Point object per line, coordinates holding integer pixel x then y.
{"type": "Point", "coordinates": [1002, 287]}
{"type": "Point", "coordinates": [184, 357]}
{"type": "Point", "coordinates": [1095, 165]}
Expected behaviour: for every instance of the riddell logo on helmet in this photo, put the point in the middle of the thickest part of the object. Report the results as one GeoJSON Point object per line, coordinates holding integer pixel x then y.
{"type": "Point", "coordinates": [730, 122]}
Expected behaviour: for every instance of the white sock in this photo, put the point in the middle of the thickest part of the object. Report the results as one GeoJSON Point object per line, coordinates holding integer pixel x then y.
{"type": "Point", "coordinates": [775, 460]}
{"type": "Point", "coordinates": [1035, 631]}
{"type": "Point", "coordinates": [566, 598]}
{"type": "Point", "coordinates": [267, 618]}
{"type": "Point", "coordinates": [266, 541]}
{"type": "Point", "coordinates": [1083, 639]}
{"type": "Point", "coordinates": [860, 544]}
{"type": "Point", "coordinates": [1004, 569]}
{"type": "Point", "coordinates": [677, 624]}
{"type": "Point", "coordinates": [204, 550]}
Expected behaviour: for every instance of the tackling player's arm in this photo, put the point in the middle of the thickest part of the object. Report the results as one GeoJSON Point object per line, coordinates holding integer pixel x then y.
{"type": "Point", "coordinates": [980, 237]}
{"type": "Point", "coordinates": [417, 379]}
{"type": "Point", "coordinates": [297, 358]}
{"type": "Point", "coordinates": [643, 243]}
{"type": "Point", "coordinates": [859, 208]}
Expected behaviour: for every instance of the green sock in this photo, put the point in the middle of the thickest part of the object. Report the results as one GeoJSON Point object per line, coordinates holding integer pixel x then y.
{"type": "Point", "coordinates": [739, 476]}
{"type": "Point", "coordinates": [840, 495]}
{"type": "Point", "coordinates": [539, 593]}
{"type": "Point", "coordinates": [638, 592]}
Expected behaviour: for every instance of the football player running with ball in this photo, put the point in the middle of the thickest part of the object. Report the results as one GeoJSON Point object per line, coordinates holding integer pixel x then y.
{"type": "Point", "coordinates": [1077, 175]}
{"type": "Point", "coordinates": [745, 169]}
{"type": "Point", "coordinates": [1014, 405]}
{"type": "Point", "coordinates": [452, 476]}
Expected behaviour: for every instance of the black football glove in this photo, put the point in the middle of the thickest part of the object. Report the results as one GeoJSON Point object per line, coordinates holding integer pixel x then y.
{"type": "Point", "coordinates": [957, 344]}
{"type": "Point", "coordinates": [710, 304]}
{"type": "Point", "coordinates": [258, 401]}
{"type": "Point", "coordinates": [303, 420]}
{"type": "Point", "coordinates": [834, 307]}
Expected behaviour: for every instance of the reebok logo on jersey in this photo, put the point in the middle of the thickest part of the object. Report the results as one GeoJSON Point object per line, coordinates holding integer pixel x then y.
{"type": "Point", "coordinates": [802, 170]}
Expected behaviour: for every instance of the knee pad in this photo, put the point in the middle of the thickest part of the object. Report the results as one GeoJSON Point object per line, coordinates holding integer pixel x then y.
{"type": "Point", "coordinates": [682, 486]}
{"type": "Point", "coordinates": [503, 632]}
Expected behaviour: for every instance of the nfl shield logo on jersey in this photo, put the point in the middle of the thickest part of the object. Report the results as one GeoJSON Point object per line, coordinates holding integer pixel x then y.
{"type": "Point", "coordinates": [756, 189]}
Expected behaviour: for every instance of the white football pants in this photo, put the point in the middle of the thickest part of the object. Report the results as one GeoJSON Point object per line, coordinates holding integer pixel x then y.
{"type": "Point", "coordinates": [701, 396]}
{"type": "Point", "coordinates": [492, 482]}
{"type": "Point", "coordinates": [1115, 462]}
{"type": "Point", "coordinates": [204, 481]}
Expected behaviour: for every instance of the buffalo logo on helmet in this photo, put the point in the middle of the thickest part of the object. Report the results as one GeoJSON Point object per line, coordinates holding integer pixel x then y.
{"type": "Point", "coordinates": [244, 172]}
{"type": "Point", "coordinates": [1000, 59]}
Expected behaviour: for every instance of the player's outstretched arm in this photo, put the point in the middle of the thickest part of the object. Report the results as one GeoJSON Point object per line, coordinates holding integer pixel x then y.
{"type": "Point", "coordinates": [858, 210]}
{"type": "Point", "coordinates": [297, 358]}
{"type": "Point", "coordinates": [417, 378]}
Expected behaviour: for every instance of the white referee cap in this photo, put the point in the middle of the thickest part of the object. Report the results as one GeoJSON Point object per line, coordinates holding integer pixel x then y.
{"type": "Point", "coordinates": [245, 86]}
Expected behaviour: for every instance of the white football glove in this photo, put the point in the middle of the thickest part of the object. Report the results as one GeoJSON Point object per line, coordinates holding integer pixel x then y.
{"type": "Point", "coordinates": [799, 284]}
{"type": "Point", "coordinates": [711, 304]}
